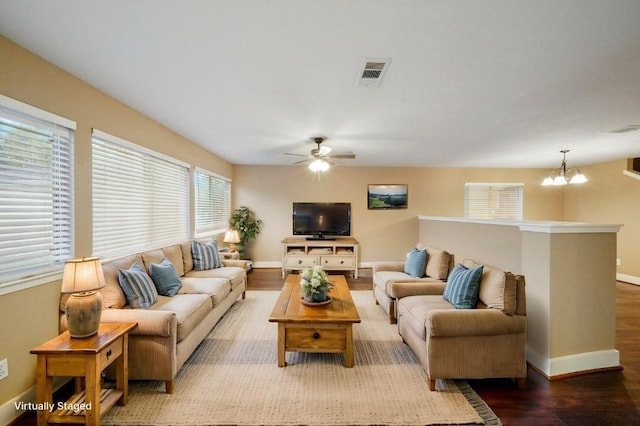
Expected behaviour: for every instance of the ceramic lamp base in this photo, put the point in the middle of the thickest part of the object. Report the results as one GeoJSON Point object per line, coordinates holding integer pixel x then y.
{"type": "Point", "coordinates": [83, 312]}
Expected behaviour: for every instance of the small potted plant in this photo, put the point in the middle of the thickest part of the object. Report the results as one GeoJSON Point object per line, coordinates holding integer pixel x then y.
{"type": "Point", "coordinates": [244, 220]}
{"type": "Point", "coordinates": [315, 286]}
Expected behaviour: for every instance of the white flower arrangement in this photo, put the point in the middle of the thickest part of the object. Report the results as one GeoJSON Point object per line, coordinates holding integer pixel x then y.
{"type": "Point", "coordinates": [315, 284]}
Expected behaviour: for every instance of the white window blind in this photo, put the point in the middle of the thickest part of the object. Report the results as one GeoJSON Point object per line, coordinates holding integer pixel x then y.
{"type": "Point", "coordinates": [213, 201]}
{"type": "Point", "coordinates": [140, 198]}
{"type": "Point", "coordinates": [502, 201]}
{"type": "Point", "coordinates": [36, 191]}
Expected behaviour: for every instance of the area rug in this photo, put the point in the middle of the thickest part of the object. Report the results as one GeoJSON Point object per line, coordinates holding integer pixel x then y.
{"type": "Point", "coordinates": [232, 378]}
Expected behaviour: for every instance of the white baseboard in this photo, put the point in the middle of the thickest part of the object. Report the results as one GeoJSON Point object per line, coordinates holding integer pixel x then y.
{"type": "Point", "coordinates": [560, 366]}
{"type": "Point", "coordinates": [628, 279]}
{"type": "Point", "coordinates": [266, 265]}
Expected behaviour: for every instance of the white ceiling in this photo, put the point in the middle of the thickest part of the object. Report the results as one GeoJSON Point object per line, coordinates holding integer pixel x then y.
{"type": "Point", "coordinates": [491, 83]}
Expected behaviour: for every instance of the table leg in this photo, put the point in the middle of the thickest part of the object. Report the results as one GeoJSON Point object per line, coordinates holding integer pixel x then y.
{"type": "Point", "coordinates": [348, 353]}
{"type": "Point", "coordinates": [282, 334]}
{"type": "Point", "coordinates": [44, 393]}
{"type": "Point", "coordinates": [92, 392]}
{"type": "Point", "coordinates": [122, 371]}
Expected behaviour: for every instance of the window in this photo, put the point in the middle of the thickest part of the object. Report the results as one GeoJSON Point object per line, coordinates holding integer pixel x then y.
{"type": "Point", "coordinates": [36, 189]}
{"type": "Point", "coordinates": [140, 198]}
{"type": "Point", "coordinates": [501, 201]}
{"type": "Point", "coordinates": [213, 201]}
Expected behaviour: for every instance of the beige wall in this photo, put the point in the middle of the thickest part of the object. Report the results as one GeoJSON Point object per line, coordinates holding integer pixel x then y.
{"type": "Point", "coordinates": [30, 316]}
{"type": "Point", "coordinates": [610, 197]}
{"type": "Point", "coordinates": [383, 234]}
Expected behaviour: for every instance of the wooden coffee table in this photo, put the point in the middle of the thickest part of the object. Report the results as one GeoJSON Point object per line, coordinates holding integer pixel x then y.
{"type": "Point", "coordinates": [321, 329]}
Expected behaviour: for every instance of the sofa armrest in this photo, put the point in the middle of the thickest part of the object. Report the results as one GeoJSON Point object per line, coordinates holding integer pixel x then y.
{"type": "Point", "coordinates": [473, 322]}
{"type": "Point", "coordinates": [387, 266]}
{"type": "Point", "coordinates": [150, 323]}
{"type": "Point", "coordinates": [240, 263]}
{"type": "Point", "coordinates": [398, 289]}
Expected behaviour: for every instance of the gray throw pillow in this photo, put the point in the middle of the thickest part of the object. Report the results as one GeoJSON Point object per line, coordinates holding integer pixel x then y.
{"type": "Point", "coordinates": [165, 277]}
{"type": "Point", "coordinates": [416, 262]}
{"type": "Point", "coordinates": [138, 287]}
{"type": "Point", "coordinates": [462, 287]}
{"type": "Point", "coordinates": [205, 256]}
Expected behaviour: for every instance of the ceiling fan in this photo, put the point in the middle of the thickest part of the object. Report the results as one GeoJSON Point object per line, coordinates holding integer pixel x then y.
{"type": "Point", "coordinates": [321, 157]}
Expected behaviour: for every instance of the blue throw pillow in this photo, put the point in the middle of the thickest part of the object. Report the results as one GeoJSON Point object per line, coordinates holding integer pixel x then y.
{"type": "Point", "coordinates": [462, 287]}
{"type": "Point", "coordinates": [138, 287]}
{"type": "Point", "coordinates": [205, 256]}
{"type": "Point", "coordinates": [165, 277]}
{"type": "Point", "coordinates": [416, 262]}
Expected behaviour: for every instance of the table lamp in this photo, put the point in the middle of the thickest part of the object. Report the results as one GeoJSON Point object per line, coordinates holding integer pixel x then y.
{"type": "Point", "coordinates": [82, 278]}
{"type": "Point", "coordinates": [232, 237]}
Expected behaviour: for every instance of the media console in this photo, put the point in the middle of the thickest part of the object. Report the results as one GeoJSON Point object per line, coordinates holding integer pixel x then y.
{"type": "Point", "coordinates": [339, 254]}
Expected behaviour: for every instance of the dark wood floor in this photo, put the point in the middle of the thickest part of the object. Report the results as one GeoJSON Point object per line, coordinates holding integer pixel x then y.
{"type": "Point", "coordinates": [607, 399]}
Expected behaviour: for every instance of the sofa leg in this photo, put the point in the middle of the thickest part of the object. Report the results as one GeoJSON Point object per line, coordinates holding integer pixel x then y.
{"type": "Point", "coordinates": [432, 384]}
{"type": "Point", "coordinates": [244, 294]}
{"type": "Point", "coordinates": [521, 382]}
{"type": "Point", "coordinates": [168, 385]}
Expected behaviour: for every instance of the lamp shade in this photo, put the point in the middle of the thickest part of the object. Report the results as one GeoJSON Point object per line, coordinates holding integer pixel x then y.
{"type": "Point", "coordinates": [231, 236]}
{"type": "Point", "coordinates": [82, 275]}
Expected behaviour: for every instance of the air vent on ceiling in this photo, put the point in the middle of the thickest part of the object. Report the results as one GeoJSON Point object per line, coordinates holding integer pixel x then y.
{"type": "Point", "coordinates": [372, 72]}
{"type": "Point", "coordinates": [629, 128]}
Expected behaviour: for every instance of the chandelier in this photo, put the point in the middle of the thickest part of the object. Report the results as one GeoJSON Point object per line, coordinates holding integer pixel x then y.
{"type": "Point", "coordinates": [562, 176]}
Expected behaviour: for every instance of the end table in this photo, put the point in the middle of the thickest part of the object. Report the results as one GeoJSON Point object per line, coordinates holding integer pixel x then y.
{"type": "Point", "coordinates": [83, 358]}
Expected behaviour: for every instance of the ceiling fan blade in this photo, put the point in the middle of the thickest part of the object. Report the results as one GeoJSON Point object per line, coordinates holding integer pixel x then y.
{"type": "Point", "coordinates": [302, 161]}
{"type": "Point", "coordinates": [297, 155]}
{"type": "Point", "coordinates": [343, 156]}
{"type": "Point", "coordinates": [324, 150]}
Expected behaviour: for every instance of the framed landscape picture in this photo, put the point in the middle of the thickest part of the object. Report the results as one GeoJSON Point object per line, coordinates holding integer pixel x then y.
{"type": "Point", "coordinates": [387, 196]}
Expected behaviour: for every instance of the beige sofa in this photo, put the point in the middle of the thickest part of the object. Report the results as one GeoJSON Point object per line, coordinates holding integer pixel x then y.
{"type": "Point", "coordinates": [486, 342]}
{"type": "Point", "coordinates": [171, 329]}
{"type": "Point", "coordinates": [390, 282]}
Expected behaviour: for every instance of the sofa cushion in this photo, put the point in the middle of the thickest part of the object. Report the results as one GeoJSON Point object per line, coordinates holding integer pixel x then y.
{"type": "Point", "coordinates": [497, 288]}
{"type": "Point", "coordinates": [416, 262]}
{"type": "Point", "coordinates": [174, 254]}
{"type": "Point", "coordinates": [165, 277]}
{"type": "Point", "coordinates": [217, 288]}
{"type": "Point", "coordinates": [413, 311]}
{"type": "Point", "coordinates": [462, 287]}
{"type": "Point", "coordinates": [205, 256]}
{"type": "Point", "coordinates": [187, 257]}
{"type": "Point", "coordinates": [190, 310]}
{"type": "Point", "coordinates": [438, 262]}
{"type": "Point", "coordinates": [138, 287]}
{"type": "Point", "coordinates": [235, 275]}
{"type": "Point", "coordinates": [112, 294]}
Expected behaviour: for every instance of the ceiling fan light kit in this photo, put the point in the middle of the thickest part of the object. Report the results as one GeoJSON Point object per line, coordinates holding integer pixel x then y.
{"type": "Point", "coordinates": [562, 176]}
{"type": "Point", "coordinates": [319, 165]}
{"type": "Point", "coordinates": [321, 156]}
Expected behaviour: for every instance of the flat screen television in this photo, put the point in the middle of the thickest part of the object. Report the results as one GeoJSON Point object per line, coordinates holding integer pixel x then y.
{"type": "Point", "coordinates": [322, 220]}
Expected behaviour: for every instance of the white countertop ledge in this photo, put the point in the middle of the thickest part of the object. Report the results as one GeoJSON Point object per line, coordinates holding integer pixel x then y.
{"type": "Point", "coordinates": [545, 227]}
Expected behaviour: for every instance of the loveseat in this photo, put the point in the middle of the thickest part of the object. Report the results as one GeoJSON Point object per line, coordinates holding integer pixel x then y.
{"type": "Point", "coordinates": [170, 329]}
{"type": "Point", "coordinates": [486, 340]}
{"type": "Point", "coordinates": [393, 280]}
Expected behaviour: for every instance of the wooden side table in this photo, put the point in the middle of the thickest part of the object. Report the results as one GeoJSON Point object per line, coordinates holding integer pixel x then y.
{"type": "Point", "coordinates": [84, 358]}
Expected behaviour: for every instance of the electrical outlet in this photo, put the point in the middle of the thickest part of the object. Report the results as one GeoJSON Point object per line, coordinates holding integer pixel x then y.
{"type": "Point", "coordinates": [4, 369]}
{"type": "Point", "coordinates": [618, 262]}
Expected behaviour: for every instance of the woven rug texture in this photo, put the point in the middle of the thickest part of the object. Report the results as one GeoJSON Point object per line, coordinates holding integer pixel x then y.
{"type": "Point", "coordinates": [232, 378]}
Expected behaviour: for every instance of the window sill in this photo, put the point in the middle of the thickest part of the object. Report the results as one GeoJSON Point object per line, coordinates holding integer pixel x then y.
{"type": "Point", "coordinates": [25, 283]}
